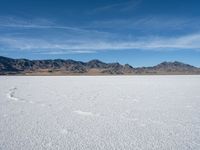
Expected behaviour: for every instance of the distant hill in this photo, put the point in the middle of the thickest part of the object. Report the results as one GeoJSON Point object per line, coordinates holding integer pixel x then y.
{"type": "Point", "coordinates": [169, 68]}
{"type": "Point", "coordinates": [9, 66]}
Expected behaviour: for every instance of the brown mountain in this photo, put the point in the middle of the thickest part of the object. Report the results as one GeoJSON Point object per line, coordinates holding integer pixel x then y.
{"type": "Point", "coordinates": [10, 66]}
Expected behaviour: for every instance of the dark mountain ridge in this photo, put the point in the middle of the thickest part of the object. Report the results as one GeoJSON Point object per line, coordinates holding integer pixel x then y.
{"type": "Point", "coordinates": [9, 66]}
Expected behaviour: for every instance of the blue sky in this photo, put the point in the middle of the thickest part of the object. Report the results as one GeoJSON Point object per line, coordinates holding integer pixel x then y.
{"type": "Point", "coordinates": [138, 32]}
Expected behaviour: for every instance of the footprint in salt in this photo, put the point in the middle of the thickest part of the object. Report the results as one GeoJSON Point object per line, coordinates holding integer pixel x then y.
{"type": "Point", "coordinates": [84, 113]}
{"type": "Point", "coordinates": [131, 99]}
{"type": "Point", "coordinates": [11, 94]}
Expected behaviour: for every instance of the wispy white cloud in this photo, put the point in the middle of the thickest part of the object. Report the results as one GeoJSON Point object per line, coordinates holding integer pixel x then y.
{"type": "Point", "coordinates": [151, 23]}
{"type": "Point", "coordinates": [40, 23]}
{"type": "Point", "coordinates": [120, 6]}
{"type": "Point", "coordinates": [90, 46]}
{"type": "Point", "coordinates": [61, 52]}
{"type": "Point", "coordinates": [80, 40]}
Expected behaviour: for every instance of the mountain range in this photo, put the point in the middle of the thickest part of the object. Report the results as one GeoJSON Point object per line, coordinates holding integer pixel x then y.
{"type": "Point", "coordinates": [9, 66]}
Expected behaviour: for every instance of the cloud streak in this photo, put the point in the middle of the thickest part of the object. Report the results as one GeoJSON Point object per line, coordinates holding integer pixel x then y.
{"type": "Point", "coordinates": [148, 23]}
{"type": "Point", "coordinates": [122, 7]}
{"type": "Point", "coordinates": [78, 40]}
{"type": "Point", "coordinates": [91, 46]}
{"type": "Point", "coordinates": [40, 23]}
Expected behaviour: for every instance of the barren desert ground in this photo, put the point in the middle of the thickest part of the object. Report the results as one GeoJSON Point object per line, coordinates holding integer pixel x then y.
{"type": "Point", "coordinates": [100, 112]}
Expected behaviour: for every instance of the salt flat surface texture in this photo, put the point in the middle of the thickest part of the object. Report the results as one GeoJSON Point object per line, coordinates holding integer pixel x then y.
{"type": "Point", "coordinates": [118, 112]}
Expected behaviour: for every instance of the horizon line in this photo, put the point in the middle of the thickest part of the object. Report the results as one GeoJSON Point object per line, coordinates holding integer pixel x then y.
{"type": "Point", "coordinates": [174, 61]}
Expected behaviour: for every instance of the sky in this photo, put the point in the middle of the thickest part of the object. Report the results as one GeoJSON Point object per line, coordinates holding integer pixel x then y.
{"type": "Point", "coordinates": [137, 32]}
